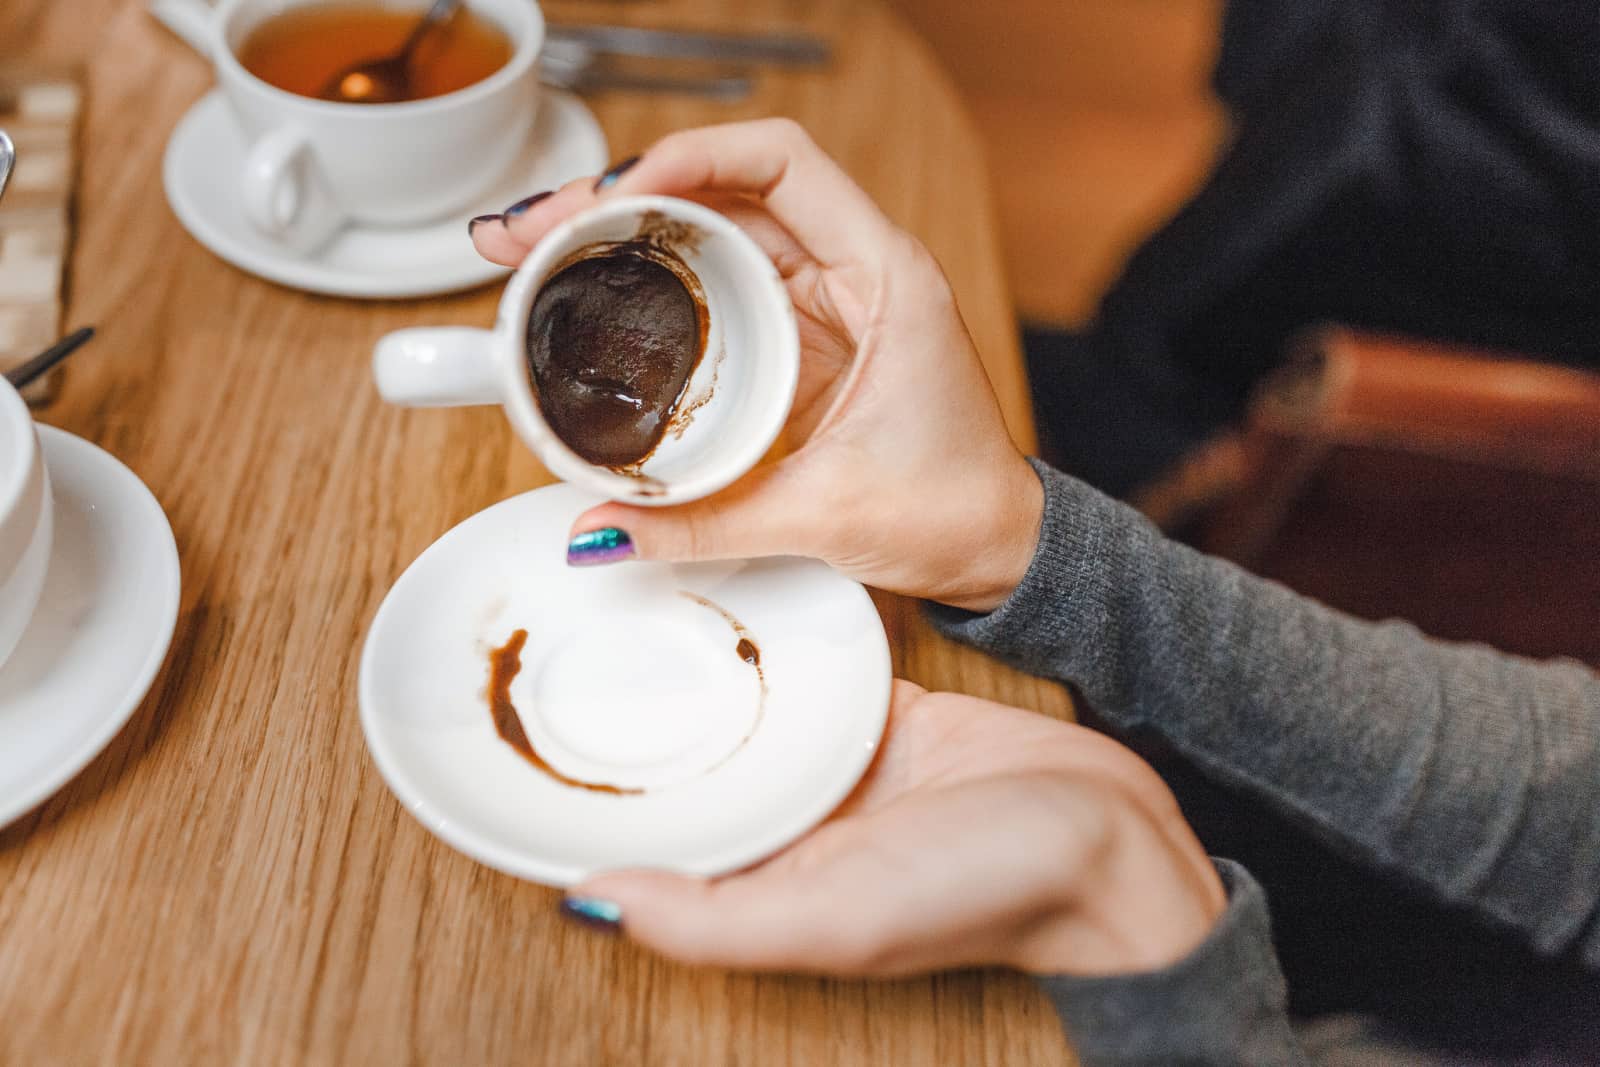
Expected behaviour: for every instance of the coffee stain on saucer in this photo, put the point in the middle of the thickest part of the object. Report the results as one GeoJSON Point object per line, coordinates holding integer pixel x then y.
{"type": "Point", "coordinates": [505, 663]}
{"type": "Point", "coordinates": [750, 652]}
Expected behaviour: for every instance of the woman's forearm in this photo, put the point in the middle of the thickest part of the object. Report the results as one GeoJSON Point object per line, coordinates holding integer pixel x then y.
{"type": "Point", "coordinates": [1475, 773]}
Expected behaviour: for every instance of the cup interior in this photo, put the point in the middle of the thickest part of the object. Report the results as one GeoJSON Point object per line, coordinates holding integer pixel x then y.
{"type": "Point", "coordinates": [739, 395]}
{"type": "Point", "coordinates": [520, 20]}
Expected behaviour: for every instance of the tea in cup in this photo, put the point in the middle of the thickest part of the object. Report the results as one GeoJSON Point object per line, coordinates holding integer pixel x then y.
{"type": "Point", "coordinates": [315, 50]}
{"type": "Point", "coordinates": [315, 165]}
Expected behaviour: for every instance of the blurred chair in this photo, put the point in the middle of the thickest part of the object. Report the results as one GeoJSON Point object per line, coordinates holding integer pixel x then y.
{"type": "Point", "coordinates": [1456, 488]}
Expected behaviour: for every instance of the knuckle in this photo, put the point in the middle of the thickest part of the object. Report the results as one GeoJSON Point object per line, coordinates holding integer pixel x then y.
{"type": "Point", "coordinates": [697, 536]}
{"type": "Point", "coordinates": [789, 132]}
{"type": "Point", "coordinates": [856, 951]}
{"type": "Point", "coordinates": [928, 270]}
{"type": "Point", "coordinates": [675, 143]}
{"type": "Point", "coordinates": [908, 692]}
{"type": "Point", "coordinates": [859, 942]}
{"type": "Point", "coordinates": [693, 951]}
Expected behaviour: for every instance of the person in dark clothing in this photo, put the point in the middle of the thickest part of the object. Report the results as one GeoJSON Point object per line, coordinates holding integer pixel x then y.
{"type": "Point", "coordinates": [1426, 169]}
{"type": "Point", "coordinates": [985, 835]}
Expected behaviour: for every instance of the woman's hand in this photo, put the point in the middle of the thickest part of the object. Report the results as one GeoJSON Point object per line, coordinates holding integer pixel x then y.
{"type": "Point", "coordinates": [981, 835]}
{"type": "Point", "coordinates": [900, 471]}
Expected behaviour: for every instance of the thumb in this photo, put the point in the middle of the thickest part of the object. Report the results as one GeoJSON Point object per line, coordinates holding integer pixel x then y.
{"type": "Point", "coordinates": [761, 920]}
{"type": "Point", "coordinates": [754, 517]}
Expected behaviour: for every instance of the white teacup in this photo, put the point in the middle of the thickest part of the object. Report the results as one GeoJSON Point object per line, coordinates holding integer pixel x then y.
{"type": "Point", "coordinates": [314, 165]}
{"type": "Point", "coordinates": [26, 519]}
{"type": "Point", "coordinates": [733, 406]}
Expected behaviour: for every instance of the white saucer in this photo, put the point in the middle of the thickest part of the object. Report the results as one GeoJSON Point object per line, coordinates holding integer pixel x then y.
{"type": "Point", "coordinates": [201, 174]}
{"type": "Point", "coordinates": [625, 681]}
{"type": "Point", "coordinates": [101, 630]}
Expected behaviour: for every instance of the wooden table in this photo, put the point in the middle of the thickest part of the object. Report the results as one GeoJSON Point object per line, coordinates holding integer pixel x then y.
{"type": "Point", "coordinates": [231, 882]}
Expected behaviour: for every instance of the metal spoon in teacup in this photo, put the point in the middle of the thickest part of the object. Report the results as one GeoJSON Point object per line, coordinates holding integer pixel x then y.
{"type": "Point", "coordinates": [24, 373]}
{"type": "Point", "coordinates": [8, 156]}
{"type": "Point", "coordinates": [386, 80]}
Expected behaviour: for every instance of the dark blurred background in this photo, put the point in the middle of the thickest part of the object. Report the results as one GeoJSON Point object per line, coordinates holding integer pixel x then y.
{"type": "Point", "coordinates": [1385, 472]}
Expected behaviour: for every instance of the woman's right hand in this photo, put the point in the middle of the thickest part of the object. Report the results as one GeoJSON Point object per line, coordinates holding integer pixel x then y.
{"type": "Point", "coordinates": [981, 835]}
{"type": "Point", "coordinates": [900, 471]}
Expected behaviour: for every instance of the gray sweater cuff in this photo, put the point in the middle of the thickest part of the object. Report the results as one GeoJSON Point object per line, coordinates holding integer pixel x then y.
{"type": "Point", "coordinates": [1085, 538]}
{"type": "Point", "coordinates": [1223, 1004]}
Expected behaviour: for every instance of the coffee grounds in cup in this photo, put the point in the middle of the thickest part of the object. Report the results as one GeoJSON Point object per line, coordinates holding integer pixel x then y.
{"type": "Point", "coordinates": [612, 342]}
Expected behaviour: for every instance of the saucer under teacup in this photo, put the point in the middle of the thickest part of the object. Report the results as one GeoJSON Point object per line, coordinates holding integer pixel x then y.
{"type": "Point", "coordinates": [201, 170]}
{"type": "Point", "coordinates": [101, 630]}
{"type": "Point", "coordinates": [694, 718]}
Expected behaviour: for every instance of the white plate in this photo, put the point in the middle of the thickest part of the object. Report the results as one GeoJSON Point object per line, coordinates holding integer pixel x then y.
{"type": "Point", "coordinates": [101, 630]}
{"type": "Point", "coordinates": [625, 681]}
{"type": "Point", "coordinates": [201, 174]}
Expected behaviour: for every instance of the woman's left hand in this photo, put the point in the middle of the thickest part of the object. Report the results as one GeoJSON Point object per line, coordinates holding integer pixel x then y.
{"type": "Point", "coordinates": [981, 835]}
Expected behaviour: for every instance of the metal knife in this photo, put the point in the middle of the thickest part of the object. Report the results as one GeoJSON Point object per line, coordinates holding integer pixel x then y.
{"type": "Point", "coordinates": [782, 49]}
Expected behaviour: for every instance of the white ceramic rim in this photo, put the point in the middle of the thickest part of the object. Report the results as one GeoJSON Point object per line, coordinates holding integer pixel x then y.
{"type": "Point", "coordinates": [517, 391]}
{"type": "Point", "coordinates": [140, 687]}
{"type": "Point", "coordinates": [529, 41]}
{"type": "Point", "coordinates": [14, 475]}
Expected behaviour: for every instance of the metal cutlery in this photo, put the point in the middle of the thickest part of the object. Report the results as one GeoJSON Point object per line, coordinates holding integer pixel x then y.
{"type": "Point", "coordinates": [575, 66]}
{"type": "Point", "coordinates": [8, 159]}
{"type": "Point", "coordinates": [583, 58]}
{"type": "Point", "coordinates": [387, 79]}
{"type": "Point", "coordinates": [779, 49]}
{"type": "Point", "coordinates": [36, 367]}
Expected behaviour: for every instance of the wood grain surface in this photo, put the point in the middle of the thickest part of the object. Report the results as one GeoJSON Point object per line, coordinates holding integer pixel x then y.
{"type": "Point", "coordinates": [231, 882]}
{"type": "Point", "coordinates": [39, 110]}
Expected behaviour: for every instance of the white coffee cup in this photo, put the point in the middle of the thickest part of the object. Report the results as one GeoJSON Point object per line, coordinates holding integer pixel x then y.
{"type": "Point", "coordinates": [26, 519]}
{"type": "Point", "coordinates": [313, 165]}
{"type": "Point", "coordinates": [736, 400]}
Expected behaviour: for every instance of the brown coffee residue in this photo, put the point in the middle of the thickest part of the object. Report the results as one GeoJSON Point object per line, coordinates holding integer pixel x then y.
{"type": "Point", "coordinates": [669, 234]}
{"type": "Point", "coordinates": [613, 339]}
{"type": "Point", "coordinates": [748, 651]}
{"type": "Point", "coordinates": [505, 663]}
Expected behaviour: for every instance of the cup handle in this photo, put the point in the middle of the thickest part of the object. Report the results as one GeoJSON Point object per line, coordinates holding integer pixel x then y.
{"type": "Point", "coordinates": [189, 20]}
{"type": "Point", "coordinates": [436, 367]}
{"type": "Point", "coordinates": [281, 193]}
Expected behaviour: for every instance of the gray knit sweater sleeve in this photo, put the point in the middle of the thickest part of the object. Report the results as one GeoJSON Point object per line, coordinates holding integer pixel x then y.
{"type": "Point", "coordinates": [1220, 1006]}
{"type": "Point", "coordinates": [1472, 773]}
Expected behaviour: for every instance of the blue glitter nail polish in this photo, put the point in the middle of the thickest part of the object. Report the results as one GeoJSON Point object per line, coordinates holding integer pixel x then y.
{"type": "Point", "coordinates": [525, 203]}
{"type": "Point", "coordinates": [592, 911]}
{"type": "Point", "coordinates": [607, 545]}
{"type": "Point", "coordinates": [609, 178]}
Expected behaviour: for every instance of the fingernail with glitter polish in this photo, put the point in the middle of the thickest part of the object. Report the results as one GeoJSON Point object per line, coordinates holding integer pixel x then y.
{"type": "Point", "coordinates": [473, 224]}
{"type": "Point", "coordinates": [607, 545]}
{"type": "Point", "coordinates": [593, 911]}
{"type": "Point", "coordinates": [609, 178]}
{"type": "Point", "coordinates": [524, 204]}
